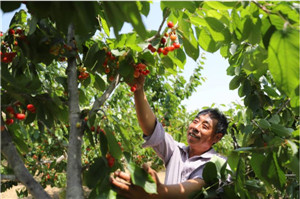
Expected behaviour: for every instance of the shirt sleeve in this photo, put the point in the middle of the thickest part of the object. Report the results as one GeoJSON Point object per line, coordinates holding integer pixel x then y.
{"type": "Point", "coordinates": [162, 143]}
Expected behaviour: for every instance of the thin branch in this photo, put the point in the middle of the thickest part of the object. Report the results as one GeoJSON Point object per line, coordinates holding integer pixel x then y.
{"type": "Point", "coordinates": [157, 35]}
{"type": "Point", "coordinates": [100, 101]}
{"type": "Point", "coordinates": [286, 103]}
{"type": "Point", "coordinates": [261, 7]}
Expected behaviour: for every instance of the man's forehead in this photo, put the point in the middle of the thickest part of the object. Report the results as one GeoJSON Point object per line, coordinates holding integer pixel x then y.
{"type": "Point", "coordinates": [207, 117]}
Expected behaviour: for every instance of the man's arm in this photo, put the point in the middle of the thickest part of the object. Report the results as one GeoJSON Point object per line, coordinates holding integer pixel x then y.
{"type": "Point", "coordinates": [180, 191]}
{"type": "Point", "coordinates": [144, 112]}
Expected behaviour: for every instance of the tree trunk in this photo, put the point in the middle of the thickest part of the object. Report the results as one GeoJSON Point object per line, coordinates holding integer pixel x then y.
{"type": "Point", "coordinates": [12, 156]}
{"type": "Point", "coordinates": [74, 181]}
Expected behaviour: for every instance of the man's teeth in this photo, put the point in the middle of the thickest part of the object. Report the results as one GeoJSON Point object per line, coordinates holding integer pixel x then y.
{"type": "Point", "coordinates": [191, 134]}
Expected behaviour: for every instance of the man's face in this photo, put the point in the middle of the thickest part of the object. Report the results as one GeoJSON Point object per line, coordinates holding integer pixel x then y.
{"type": "Point", "coordinates": [201, 132]}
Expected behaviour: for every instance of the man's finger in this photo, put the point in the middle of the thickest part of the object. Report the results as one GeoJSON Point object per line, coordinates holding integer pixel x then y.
{"type": "Point", "coordinates": [119, 185]}
{"type": "Point", "coordinates": [123, 175]}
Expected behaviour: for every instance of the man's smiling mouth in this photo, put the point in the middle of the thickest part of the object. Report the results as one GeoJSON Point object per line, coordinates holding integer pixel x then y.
{"type": "Point", "coordinates": [194, 136]}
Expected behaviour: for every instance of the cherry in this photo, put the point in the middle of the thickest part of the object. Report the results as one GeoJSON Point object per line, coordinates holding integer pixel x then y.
{"type": "Point", "coordinates": [136, 73]}
{"type": "Point", "coordinates": [170, 24]}
{"type": "Point", "coordinates": [111, 78]}
{"type": "Point", "coordinates": [173, 37]}
{"type": "Point", "coordinates": [2, 128]}
{"type": "Point", "coordinates": [150, 46]}
{"type": "Point", "coordinates": [31, 108]}
{"type": "Point", "coordinates": [10, 109]}
{"type": "Point", "coordinates": [107, 70]}
{"type": "Point", "coordinates": [9, 121]}
{"type": "Point", "coordinates": [110, 160]}
{"type": "Point", "coordinates": [166, 34]}
{"type": "Point", "coordinates": [163, 40]}
{"type": "Point", "coordinates": [20, 116]}
{"type": "Point", "coordinates": [165, 52]}
{"type": "Point", "coordinates": [159, 50]}
{"type": "Point", "coordinates": [11, 31]}
{"type": "Point", "coordinates": [176, 45]}
{"type": "Point", "coordinates": [92, 128]}
{"type": "Point", "coordinates": [133, 88]}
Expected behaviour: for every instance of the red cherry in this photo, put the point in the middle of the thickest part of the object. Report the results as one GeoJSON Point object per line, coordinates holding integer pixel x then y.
{"type": "Point", "coordinates": [9, 121]}
{"type": "Point", "coordinates": [150, 46]}
{"type": "Point", "coordinates": [160, 50]}
{"type": "Point", "coordinates": [163, 40]}
{"type": "Point", "coordinates": [111, 161]}
{"type": "Point", "coordinates": [153, 50]}
{"type": "Point", "coordinates": [165, 52]}
{"type": "Point", "coordinates": [92, 128]}
{"type": "Point", "coordinates": [20, 116]}
{"type": "Point", "coordinates": [30, 107]}
{"type": "Point", "coordinates": [176, 45]}
{"type": "Point", "coordinates": [2, 128]}
{"type": "Point", "coordinates": [170, 24]}
{"type": "Point", "coordinates": [171, 48]}
{"type": "Point", "coordinates": [19, 31]}
{"type": "Point", "coordinates": [133, 88]}
{"type": "Point", "coordinates": [10, 109]}
{"type": "Point", "coordinates": [11, 31]}
{"type": "Point", "coordinates": [15, 43]}
{"type": "Point", "coordinates": [108, 54]}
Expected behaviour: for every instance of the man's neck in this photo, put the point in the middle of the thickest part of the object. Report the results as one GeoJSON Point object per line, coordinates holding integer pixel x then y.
{"type": "Point", "coordinates": [195, 152]}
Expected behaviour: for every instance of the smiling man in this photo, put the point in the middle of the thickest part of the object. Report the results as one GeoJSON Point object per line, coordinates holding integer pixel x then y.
{"type": "Point", "coordinates": [184, 164]}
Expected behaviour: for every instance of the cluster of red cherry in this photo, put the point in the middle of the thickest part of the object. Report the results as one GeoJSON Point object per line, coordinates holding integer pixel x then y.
{"type": "Point", "coordinates": [139, 69]}
{"type": "Point", "coordinates": [11, 113]}
{"type": "Point", "coordinates": [83, 74]}
{"type": "Point", "coordinates": [9, 55]}
{"type": "Point", "coordinates": [163, 48]}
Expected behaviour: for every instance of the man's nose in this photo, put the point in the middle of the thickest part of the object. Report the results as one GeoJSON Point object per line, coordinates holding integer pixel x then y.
{"type": "Point", "coordinates": [197, 125]}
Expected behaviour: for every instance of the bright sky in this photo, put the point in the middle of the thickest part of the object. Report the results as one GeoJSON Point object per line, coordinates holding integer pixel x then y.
{"type": "Point", "coordinates": [216, 87]}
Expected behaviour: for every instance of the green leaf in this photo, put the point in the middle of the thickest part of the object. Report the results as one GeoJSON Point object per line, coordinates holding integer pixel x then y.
{"type": "Point", "coordinates": [19, 142]}
{"type": "Point", "coordinates": [235, 83]}
{"type": "Point", "coordinates": [283, 59]}
{"type": "Point", "coordinates": [99, 83]}
{"type": "Point", "coordinates": [221, 5]}
{"type": "Point", "coordinates": [9, 6]}
{"type": "Point", "coordinates": [103, 144]}
{"type": "Point", "coordinates": [141, 178]}
{"type": "Point", "coordinates": [97, 171]}
{"type": "Point", "coordinates": [210, 173]}
{"type": "Point", "coordinates": [104, 26]}
{"type": "Point", "coordinates": [217, 30]}
{"type": "Point", "coordinates": [190, 43]}
{"type": "Point", "coordinates": [206, 41]}
{"type": "Point", "coordinates": [114, 147]}
{"type": "Point", "coordinates": [180, 5]}
{"type": "Point", "coordinates": [264, 124]}
{"type": "Point", "coordinates": [281, 130]}
{"type": "Point", "coordinates": [91, 58]}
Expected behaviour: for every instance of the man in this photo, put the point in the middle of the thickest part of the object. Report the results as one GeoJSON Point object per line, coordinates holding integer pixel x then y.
{"type": "Point", "coordinates": [184, 164]}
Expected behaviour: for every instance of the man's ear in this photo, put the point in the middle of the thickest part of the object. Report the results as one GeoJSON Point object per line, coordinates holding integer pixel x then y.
{"type": "Point", "coordinates": [219, 137]}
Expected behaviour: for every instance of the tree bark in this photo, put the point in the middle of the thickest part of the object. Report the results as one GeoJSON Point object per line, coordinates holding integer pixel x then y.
{"type": "Point", "coordinates": [12, 156]}
{"type": "Point", "coordinates": [74, 181]}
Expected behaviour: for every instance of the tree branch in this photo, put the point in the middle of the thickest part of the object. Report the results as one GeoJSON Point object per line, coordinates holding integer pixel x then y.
{"type": "Point", "coordinates": [74, 182]}
{"type": "Point", "coordinates": [157, 35]}
{"type": "Point", "coordinates": [12, 156]}
{"type": "Point", "coordinates": [100, 101]}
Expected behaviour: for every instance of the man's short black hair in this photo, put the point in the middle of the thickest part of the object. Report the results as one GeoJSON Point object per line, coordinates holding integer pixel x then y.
{"type": "Point", "coordinates": [220, 117]}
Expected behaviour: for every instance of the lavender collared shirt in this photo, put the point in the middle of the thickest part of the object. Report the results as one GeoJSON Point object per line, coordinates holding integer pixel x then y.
{"type": "Point", "coordinates": [179, 167]}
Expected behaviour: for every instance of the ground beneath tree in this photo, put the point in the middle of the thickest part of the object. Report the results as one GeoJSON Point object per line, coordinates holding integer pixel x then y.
{"type": "Point", "coordinates": [54, 192]}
